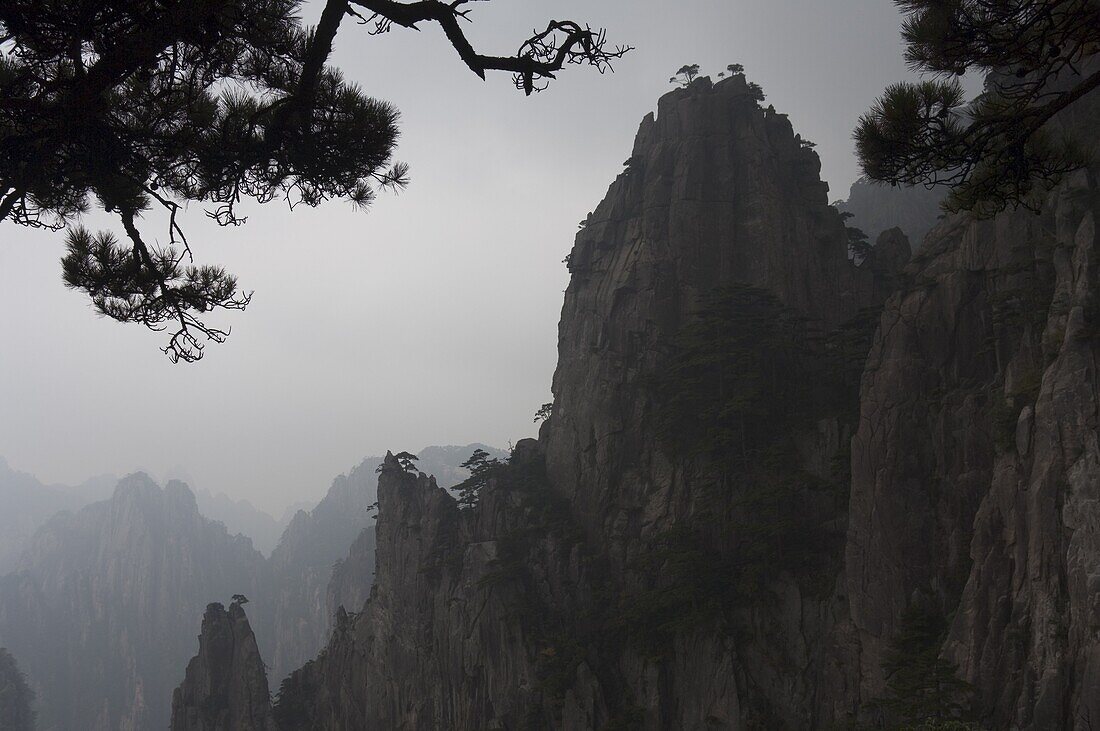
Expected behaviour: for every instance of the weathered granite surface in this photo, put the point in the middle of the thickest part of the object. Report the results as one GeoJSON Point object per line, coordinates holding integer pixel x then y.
{"type": "Point", "coordinates": [225, 688]}
{"type": "Point", "coordinates": [508, 615]}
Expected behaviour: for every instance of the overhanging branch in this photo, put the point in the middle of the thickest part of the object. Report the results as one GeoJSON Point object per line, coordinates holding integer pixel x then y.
{"type": "Point", "coordinates": [539, 57]}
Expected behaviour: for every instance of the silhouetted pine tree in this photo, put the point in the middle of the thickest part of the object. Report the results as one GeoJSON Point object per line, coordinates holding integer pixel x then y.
{"type": "Point", "coordinates": [996, 151]}
{"type": "Point", "coordinates": [154, 104]}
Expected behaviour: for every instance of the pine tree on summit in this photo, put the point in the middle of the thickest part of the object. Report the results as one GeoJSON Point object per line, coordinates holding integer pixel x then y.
{"type": "Point", "coordinates": [407, 460]}
{"type": "Point", "coordinates": [149, 105]}
{"type": "Point", "coordinates": [687, 74]}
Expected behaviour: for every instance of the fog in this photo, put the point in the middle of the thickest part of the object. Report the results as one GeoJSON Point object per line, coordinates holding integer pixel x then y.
{"type": "Point", "coordinates": [430, 319]}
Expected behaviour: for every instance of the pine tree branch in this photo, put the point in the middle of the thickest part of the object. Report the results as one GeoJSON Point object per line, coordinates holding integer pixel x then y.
{"type": "Point", "coordinates": [1065, 100]}
{"type": "Point", "coordinates": [540, 56]}
{"type": "Point", "coordinates": [320, 47]}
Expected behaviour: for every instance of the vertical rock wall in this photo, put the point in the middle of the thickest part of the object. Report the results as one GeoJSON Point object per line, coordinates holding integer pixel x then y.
{"type": "Point", "coordinates": [975, 466]}
{"type": "Point", "coordinates": [225, 688]}
{"type": "Point", "coordinates": [515, 614]}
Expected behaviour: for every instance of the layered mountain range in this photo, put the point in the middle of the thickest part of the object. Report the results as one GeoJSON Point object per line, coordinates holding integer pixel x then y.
{"type": "Point", "coordinates": [103, 606]}
{"type": "Point", "coordinates": [776, 489]}
{"type": "Point", "coordinates": [102, 609]}
{"type": "Point", "coordinates": [26, 503]}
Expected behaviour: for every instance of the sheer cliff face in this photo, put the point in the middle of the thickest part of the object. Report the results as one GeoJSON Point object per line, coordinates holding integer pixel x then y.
{"type": "Point", "coordinates": [718, 192]}
{"type": "Point", "coordinates": [605, 580]}
{"type": "Point", "coordinates": [432, 648]}
{"type": "Point", "coordinates": [976, 466]}
{"type": "Point", "coordinates": [353, 575]}
{"type": "Point", "coordinates": [315, 570]}
{"type": "Point", "coordinates": [225, 688]}
{"type": "Point", "coordinates": [104, 608]}
{"type": "Point", "coordinates": [540, 607]}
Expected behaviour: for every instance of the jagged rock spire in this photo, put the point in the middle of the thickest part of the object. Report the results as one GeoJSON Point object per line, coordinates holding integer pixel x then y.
{"type": "Point", "coordinates": [225, 688]}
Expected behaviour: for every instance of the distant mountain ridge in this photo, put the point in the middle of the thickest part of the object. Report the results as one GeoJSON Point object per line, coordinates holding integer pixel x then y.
{"type": "Point", "coordinates": [26, 503]}
{"type": "Point", "coordinates": [104, 605]}
{"type": "Point", "coordinates": [103, 608]}
{"type": "Point", "coordinates": [878, 207]}
{"type": "Point", "coordinates": [241, 516]}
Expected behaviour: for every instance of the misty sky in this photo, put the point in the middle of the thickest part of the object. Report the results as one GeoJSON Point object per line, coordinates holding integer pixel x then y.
{"type": "Point", "coordinates": [432, 318]}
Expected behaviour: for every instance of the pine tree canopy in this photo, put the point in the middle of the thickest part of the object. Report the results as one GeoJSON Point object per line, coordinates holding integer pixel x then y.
{"type": "Point", "coordinates": [998, 150]}
{"type": "Point", "coordinates": [481, 469]}
{"type": "Point", "coordinates": [140, 106]}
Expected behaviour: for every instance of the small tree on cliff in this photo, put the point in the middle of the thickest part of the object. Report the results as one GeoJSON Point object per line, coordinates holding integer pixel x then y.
{"type": "Point", "coordinates": [997, 151]}
{"type": "Point", "coordinates": [732, 70]}
{"type": "Point", "coordinates": [407, 460]}
{"type": "Point", "coordinates": [858, 245]}
{"type": "Point", "coordinates": [922, 687]}
{"type": "Point", "coordinates": [481, 468]}
{"type": "Point", "coordinates": [544, 412]}
{"type": "Point", "coordinates": [687, 74]}
{"type": "Point", "coordinates": [134, 105]}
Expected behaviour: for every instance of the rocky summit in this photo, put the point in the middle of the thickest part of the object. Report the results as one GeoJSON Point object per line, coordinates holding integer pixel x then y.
{"type": "Point", "coordinates": [225, 688]}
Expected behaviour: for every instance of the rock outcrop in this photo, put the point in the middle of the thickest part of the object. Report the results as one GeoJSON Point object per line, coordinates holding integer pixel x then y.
{"type": "Point", "coordinates": [393, 666]}
{"type": "Point", "coordinates": [225, 688]}
{"type": "Point", "coordinates": [325, 558]}
{"type": "Point", "coordinates": [720, 192]}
